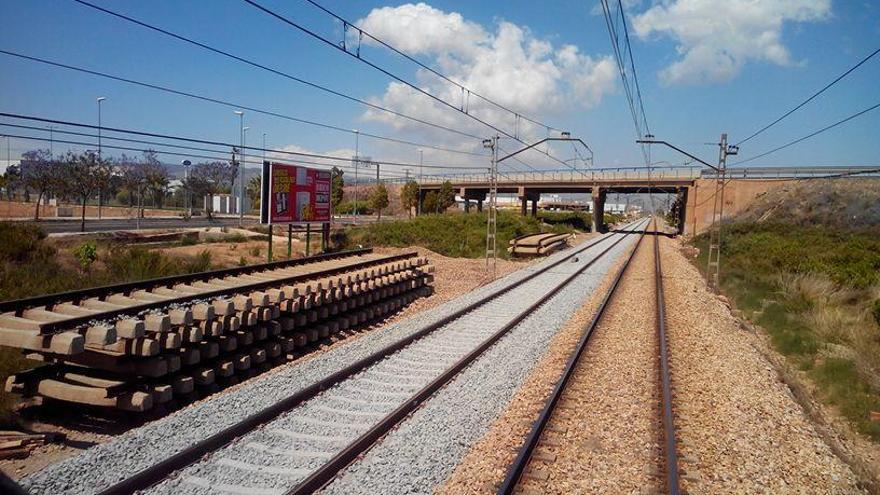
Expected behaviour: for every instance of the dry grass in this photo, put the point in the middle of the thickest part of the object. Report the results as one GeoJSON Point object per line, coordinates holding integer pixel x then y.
{"type": "Point", "coordinates": [838, 315]}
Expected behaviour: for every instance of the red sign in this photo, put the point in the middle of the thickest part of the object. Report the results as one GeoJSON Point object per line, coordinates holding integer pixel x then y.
{"type": "Point", "coordinates": [296, 194]}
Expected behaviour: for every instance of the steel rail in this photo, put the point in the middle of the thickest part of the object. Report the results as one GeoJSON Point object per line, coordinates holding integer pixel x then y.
{"type": "Point", "coordinates": [73, 322]}
{"type": "Point", "coordinates": [673, 486]}
{"type": "Point", "coordinates": [126, 287]}
{"type": "Point", "coordinates": [328, 471]}
{"type": "Point", "coordinates": [516, 469]}
{"type": "Point", "coordinates": [151, 475]}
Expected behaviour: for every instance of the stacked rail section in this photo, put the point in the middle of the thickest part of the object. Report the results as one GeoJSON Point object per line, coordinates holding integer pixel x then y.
{"type": "Point", "coordinates": [133, 346]}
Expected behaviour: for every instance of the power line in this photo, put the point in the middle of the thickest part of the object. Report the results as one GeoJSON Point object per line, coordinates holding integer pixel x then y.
{"type": "Point", "coordinates": [174, 153]}
{"type": "Point", "coordinates": [221, 143]}
{"type": "Point", "coordinates": [427, 67]}
{"type": "Point", "coordinates": [808, 136]}
{"type": "Point", "coordinates": [620, 60]}
{"type": "Point", "coordinates": [275, 71]}
{"type": "Point", "coordinates": [228, 103]}
{"type": "Point", "coordinates": [793, 110]}
{"type": "Point", "coordinates": [391, 75]}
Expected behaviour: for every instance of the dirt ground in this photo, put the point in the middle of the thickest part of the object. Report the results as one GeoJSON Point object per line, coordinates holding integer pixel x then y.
{"type": "Point", "coordinates": [453, 277]}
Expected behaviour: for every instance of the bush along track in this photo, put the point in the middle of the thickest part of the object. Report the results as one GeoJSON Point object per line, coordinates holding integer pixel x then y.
{"type": "Point", "coordinates": [815, 291]}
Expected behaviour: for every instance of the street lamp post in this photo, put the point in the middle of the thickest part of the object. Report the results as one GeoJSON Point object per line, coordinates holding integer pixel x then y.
{"type": "Point", "coordinates": [240, 166]}
{"type": "Point", "coordinates": [99, 100]}
{"type": "Point", "coordinates": [187, 203]}
{"type": "Point", "coordinates": [242, 188]}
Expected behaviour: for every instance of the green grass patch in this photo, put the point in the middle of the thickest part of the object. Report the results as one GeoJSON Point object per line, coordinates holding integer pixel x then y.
{"type": "Point", "coordinates": [842, 387]}
{"type": "Point", "coordinates": [456, 235]}
{"type": "Point", "coordinates": [813, 291]}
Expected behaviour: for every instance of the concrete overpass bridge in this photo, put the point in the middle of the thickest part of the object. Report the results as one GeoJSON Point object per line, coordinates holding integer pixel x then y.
{"type": "Point", "coordinates": [694, 185]}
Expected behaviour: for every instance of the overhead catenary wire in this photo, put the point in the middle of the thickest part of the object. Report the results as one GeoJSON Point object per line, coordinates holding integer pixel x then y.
{"type": "Point", "coordinates": [224, 144]}
{"type": "Point", "coordinates": [808, 136]}
{"type": "Point", "coordinates": [619, 58]}
{"type": "Point", "coordinates": [812, 97]}
{"type": "Point", "coordinates": [275, 71]}
{"type": "Point", "coordinates": [222, 154]}
{"type": "Point", "coordinates": [462, 87]}
{"type": "Point", "coordinates": [393, 76]}
{"type": "Point", "coordinates": [229, 104]}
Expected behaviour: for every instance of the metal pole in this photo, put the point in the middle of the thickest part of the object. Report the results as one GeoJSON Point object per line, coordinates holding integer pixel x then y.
{"type": "Point", "coordinates": [99, 100]}
{"type": "Point", "coordinates": [289, 241]}
{"type": "Point", "coordinates": [308, 237]}
{"type": "Point", "coordinates": [240, 114]}
{"type": "Point", "coordinates": [357, 159]}
{"type": "Point", "coordinates": [419, 199]}
{"type": "Point", "coordinates": [241, 185]}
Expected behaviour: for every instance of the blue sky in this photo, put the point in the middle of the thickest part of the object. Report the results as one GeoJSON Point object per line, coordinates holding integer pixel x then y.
{"type": "Point", "coordinates": [778, 57]}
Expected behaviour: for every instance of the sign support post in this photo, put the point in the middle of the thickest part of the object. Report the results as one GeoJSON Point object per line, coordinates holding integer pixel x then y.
{"type": "Point", "coordinates": [289, 241]}
{"type": "Point", "coordinates": [308, 237]}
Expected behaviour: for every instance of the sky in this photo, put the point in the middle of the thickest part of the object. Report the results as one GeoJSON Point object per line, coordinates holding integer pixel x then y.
{"type": "Point", "coordinates": [704, 67]}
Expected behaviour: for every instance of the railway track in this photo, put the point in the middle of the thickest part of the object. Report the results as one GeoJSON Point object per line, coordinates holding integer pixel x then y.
{"type": "Point", "coordinates": [135, 345]}
{"type": "Point", "coordinates": [529, 460]}
{"type": "Point", "coordinates": [300, 443]}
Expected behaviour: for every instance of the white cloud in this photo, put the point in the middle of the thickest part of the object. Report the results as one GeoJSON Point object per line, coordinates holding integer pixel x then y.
{"type": "Point", "coordinates": [716, 38]}
{"type": "Point", "coordinates": [510, 65]}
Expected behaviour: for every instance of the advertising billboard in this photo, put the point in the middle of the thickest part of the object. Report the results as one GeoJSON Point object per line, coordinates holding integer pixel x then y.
{"type": "Point", "coordinates": [294, 194]}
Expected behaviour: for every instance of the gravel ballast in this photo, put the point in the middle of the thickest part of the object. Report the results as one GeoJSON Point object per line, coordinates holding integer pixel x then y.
{"type": "Point", "coordinates": [103, 465]}
{"type": "Point", "coordinates": [740, 430]}
{"type": "Point", "coordinates": [422, 452]}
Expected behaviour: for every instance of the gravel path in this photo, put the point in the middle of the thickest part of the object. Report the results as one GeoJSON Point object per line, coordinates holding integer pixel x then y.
{"type": "Point", "coordinates": [423, 451]}
{"type": "Point", "coordinates": [739, 428]}
{"type": "Point", "coordinates": [108, 463]}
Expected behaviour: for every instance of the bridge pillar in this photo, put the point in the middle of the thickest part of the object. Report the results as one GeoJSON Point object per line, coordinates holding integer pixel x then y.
{"type": "Point", "coordinates": [682, 208]}
{"type": "Point", "coordinates": [525, 196]}
{"type": "Point", "coordinates": [598, 209]}
{"type": "Point", "coordinates": [469, 195]}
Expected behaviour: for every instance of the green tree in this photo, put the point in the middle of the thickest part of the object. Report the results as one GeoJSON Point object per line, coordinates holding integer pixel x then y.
{"type": "Point", "coordinates": [79, 178]}
{"type": "Point", "coordinates": [39, 172]}
{"type": "Point", "coordinates": [431, 203]}
{"type": "Point", "coordinates": [409, 196]}
{"type": "Point", "coordinates": [379, 199]}
{"type": "Point", "coordinates": [446, 198]}
{"type": "Point", "coordinates": [337, 184]}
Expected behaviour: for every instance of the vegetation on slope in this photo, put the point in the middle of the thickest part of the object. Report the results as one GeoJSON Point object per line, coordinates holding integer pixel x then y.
{"type": "Point", "coordinates": [814, 288]}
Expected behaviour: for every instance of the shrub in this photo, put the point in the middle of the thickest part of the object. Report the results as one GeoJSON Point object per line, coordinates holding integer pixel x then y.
{"type": "Point", "coordinates": [86, 254]}
{"type": "Point", "coordinates": [450, 235]}
{"type": "Point", "coordinates": [22, 242]}
{"type": "Point", "coordinates": [255, 251]}
{"type": "Point", "coordinates": [571, 219]}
